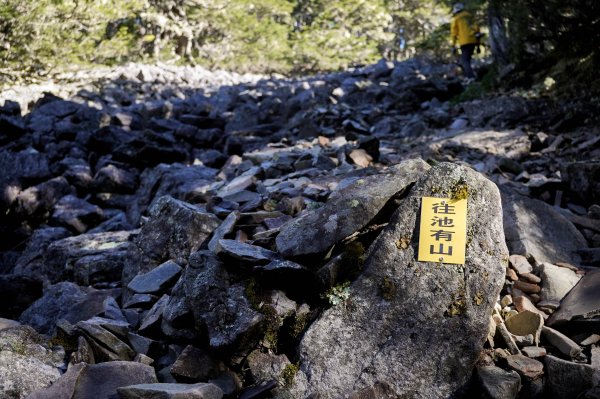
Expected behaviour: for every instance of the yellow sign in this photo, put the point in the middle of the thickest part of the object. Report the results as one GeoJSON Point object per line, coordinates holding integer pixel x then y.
{"type": "Point", "coordinates": [443, 233]}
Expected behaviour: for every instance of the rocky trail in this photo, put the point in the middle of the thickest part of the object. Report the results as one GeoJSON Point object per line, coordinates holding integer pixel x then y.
{"type": "Point", "coordinates": [172, 232]}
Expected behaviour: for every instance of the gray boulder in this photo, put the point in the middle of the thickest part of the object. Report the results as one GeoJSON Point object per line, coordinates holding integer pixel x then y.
{"type": "Point", "coordinates": [348, 210]}
{"type": "Point", "coordinates": [398, 307]}
{"type": "Point", "coordinates": [534, 229]}
{"type": "Point", "coordinates": [220, 308]}
{"type": "Point", "coordinates": [174, 230]}
{"type": "Point", "coordinates": [86, 259]}
{"type": "Point", "coordinates": [26, 363]}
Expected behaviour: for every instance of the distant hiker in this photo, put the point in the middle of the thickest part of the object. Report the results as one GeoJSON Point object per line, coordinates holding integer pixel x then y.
{"type": "Point", "coordinates": [464, 31]}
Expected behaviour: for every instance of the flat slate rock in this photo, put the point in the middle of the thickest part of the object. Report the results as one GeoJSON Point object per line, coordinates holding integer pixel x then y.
{"type": "Point", "coordinates": [582, 302]}
{"type": "Point", "coordinates": [156, 280]}
{"type": "Point", "coordinates": [347, 211]}
{"type": "Point", "coordinates": [170, 391]}
{"type": "Point", "coordinates": [98, 381]}
{"type": "Point", "coordinates": [399, 306]}
{"type": "Point", "coordinates": [246, 253]}
{"type": "Point", "coordinates": [535, 229]}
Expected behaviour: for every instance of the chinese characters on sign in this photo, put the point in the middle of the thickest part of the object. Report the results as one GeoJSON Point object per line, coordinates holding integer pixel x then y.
{"type": "Point", "coordinates": [443, 230]}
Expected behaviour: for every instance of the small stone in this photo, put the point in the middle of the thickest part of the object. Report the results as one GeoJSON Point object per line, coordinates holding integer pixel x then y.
{"type": "Point", "coordinates": [194, 365]}
{"type": "Point", "coordinates": [525, 323]}
{"type": "Point", "coordinates": [591, 340]}
{"type": "Point", "coordinates": [556, 281]}
{"type": "Point", "coordinates": [7, 323]}
{"type": "Point", "coordinates": [224, 228]}
{"type": "Point", "coordinates": [506, 301]}
{"type": "Point", "coordinates": [170, 391]}
{"type": "Point", "coordinates": [530, 278]}
{"type": "Point", "coordinates": [552, 305]}
{"type": "Point", "coordinates": [523, 303]}
{"type": "Point", "coordinates": [526, 367]}
{"type": "Point", "coordinates": [152, 319]}
{"type": "Point", "coordinates": [501, 329]}
{"type": "Point", "coordinates": [563, 343]}
{"type": "Point", "coordinates": [245, 252]}
{"type": "Point", "coordinates": [360, 157]}
{"type": "Point", "coordinates": [523, 340]}
{"type": "Point", "coordinates": [520, 264]}
{"type": "Point", "coordinates": [527, 287]}
{"type": "Point", "coordinates": [141, 358]}
{"type": "Point", "coordinates": [156, 280]}
{"type": "Point", "coordinates": [511, 274]}
{"type": "Point", "coordinates": [535, 298]}
{"type": "Point", "coordinates": [534, 351]}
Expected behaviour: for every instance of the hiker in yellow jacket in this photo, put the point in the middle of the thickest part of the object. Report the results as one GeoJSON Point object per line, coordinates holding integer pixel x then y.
{"type": "Point", "coordinates": [465, 32]}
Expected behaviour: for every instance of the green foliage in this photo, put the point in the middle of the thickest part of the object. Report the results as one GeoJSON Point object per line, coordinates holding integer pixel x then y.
{"type": "Point", "coordinates": [477, 90]}
{"type": "Point", "coordinates": [286, 36]}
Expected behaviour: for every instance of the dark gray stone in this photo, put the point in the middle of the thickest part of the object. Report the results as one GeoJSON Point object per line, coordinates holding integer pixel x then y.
{"type": "Point", "coordinates": [497, 383]}
{"type": "Point", "coordinates": [348, 210]}
{"type": "Point", "coordinates": [194, 365]}
{"type": "Point", "coordinates": [582, 302]}
{"type": "Point", "coordinates": [183, 182]}
{"type": "Point", "coordinates": [219, 307]}
{"type": "Point", "coordinates": [174, 230]}
{"type": "Point", "coordinates": [38, 201]}
{"type": "Point", "coordinates": [583, 178]}
{"type": "Point", "coordinates": [53, 305]}
{"type": "Point", "coordinates": [111, 179]}
{"type": "Point", "coordinates": [86, 258]}
{"type": "Point", "coordinates": [153, 317]}
{"type": "Point", "coordinates": [33, 255]}
{"type": "Point", "coordinates": [566, 379]}
{"type": "Point", "coordinates": [224, 228]}
{"type": "Point", "coordinates": [156, 280]}
{"type": "Point", "coordinates": [76, 214]}
{"type": "Point", "coordinates": [171, 391]}
{"type": "Point", "coordinates": [397, 307]}
{"type": "Point", "coordinates": [106, 345]}
{"type": "Point", "coordinates": [245, 253]}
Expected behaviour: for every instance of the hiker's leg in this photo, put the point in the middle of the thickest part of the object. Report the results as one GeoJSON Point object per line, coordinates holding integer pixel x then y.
{"type": "Point", "coordinates": [466, 53]}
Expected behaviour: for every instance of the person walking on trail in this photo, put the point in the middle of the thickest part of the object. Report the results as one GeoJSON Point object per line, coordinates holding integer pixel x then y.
{"type": "Point", "coordinates": [465, 32]}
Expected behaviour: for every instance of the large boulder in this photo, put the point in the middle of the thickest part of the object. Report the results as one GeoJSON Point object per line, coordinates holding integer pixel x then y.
{"type": "Point", "coordinates": [348, 210]}
{"type": "Point", "coordinates": [416, 328]}
{"type": "Point", "coordinates": [219, 307]}
{"type": "Point", "coordinates": [174, 230]}
{"type": "Point", "coordinates": [534, 229]}
{"type": "Point", "coordinates": [86, 259]}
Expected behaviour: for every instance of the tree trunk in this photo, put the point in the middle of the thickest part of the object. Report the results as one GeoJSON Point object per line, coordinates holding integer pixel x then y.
{"type": "Point", "coordinates": [498, 39]}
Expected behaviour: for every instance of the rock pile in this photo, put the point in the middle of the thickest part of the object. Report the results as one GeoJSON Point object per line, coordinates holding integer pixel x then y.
{"type": "Point", "coordinates": [252, 238]}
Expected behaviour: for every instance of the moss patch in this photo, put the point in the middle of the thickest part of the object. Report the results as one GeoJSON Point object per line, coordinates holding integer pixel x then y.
{"type": "Point", "coordinates": [288, 375]}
